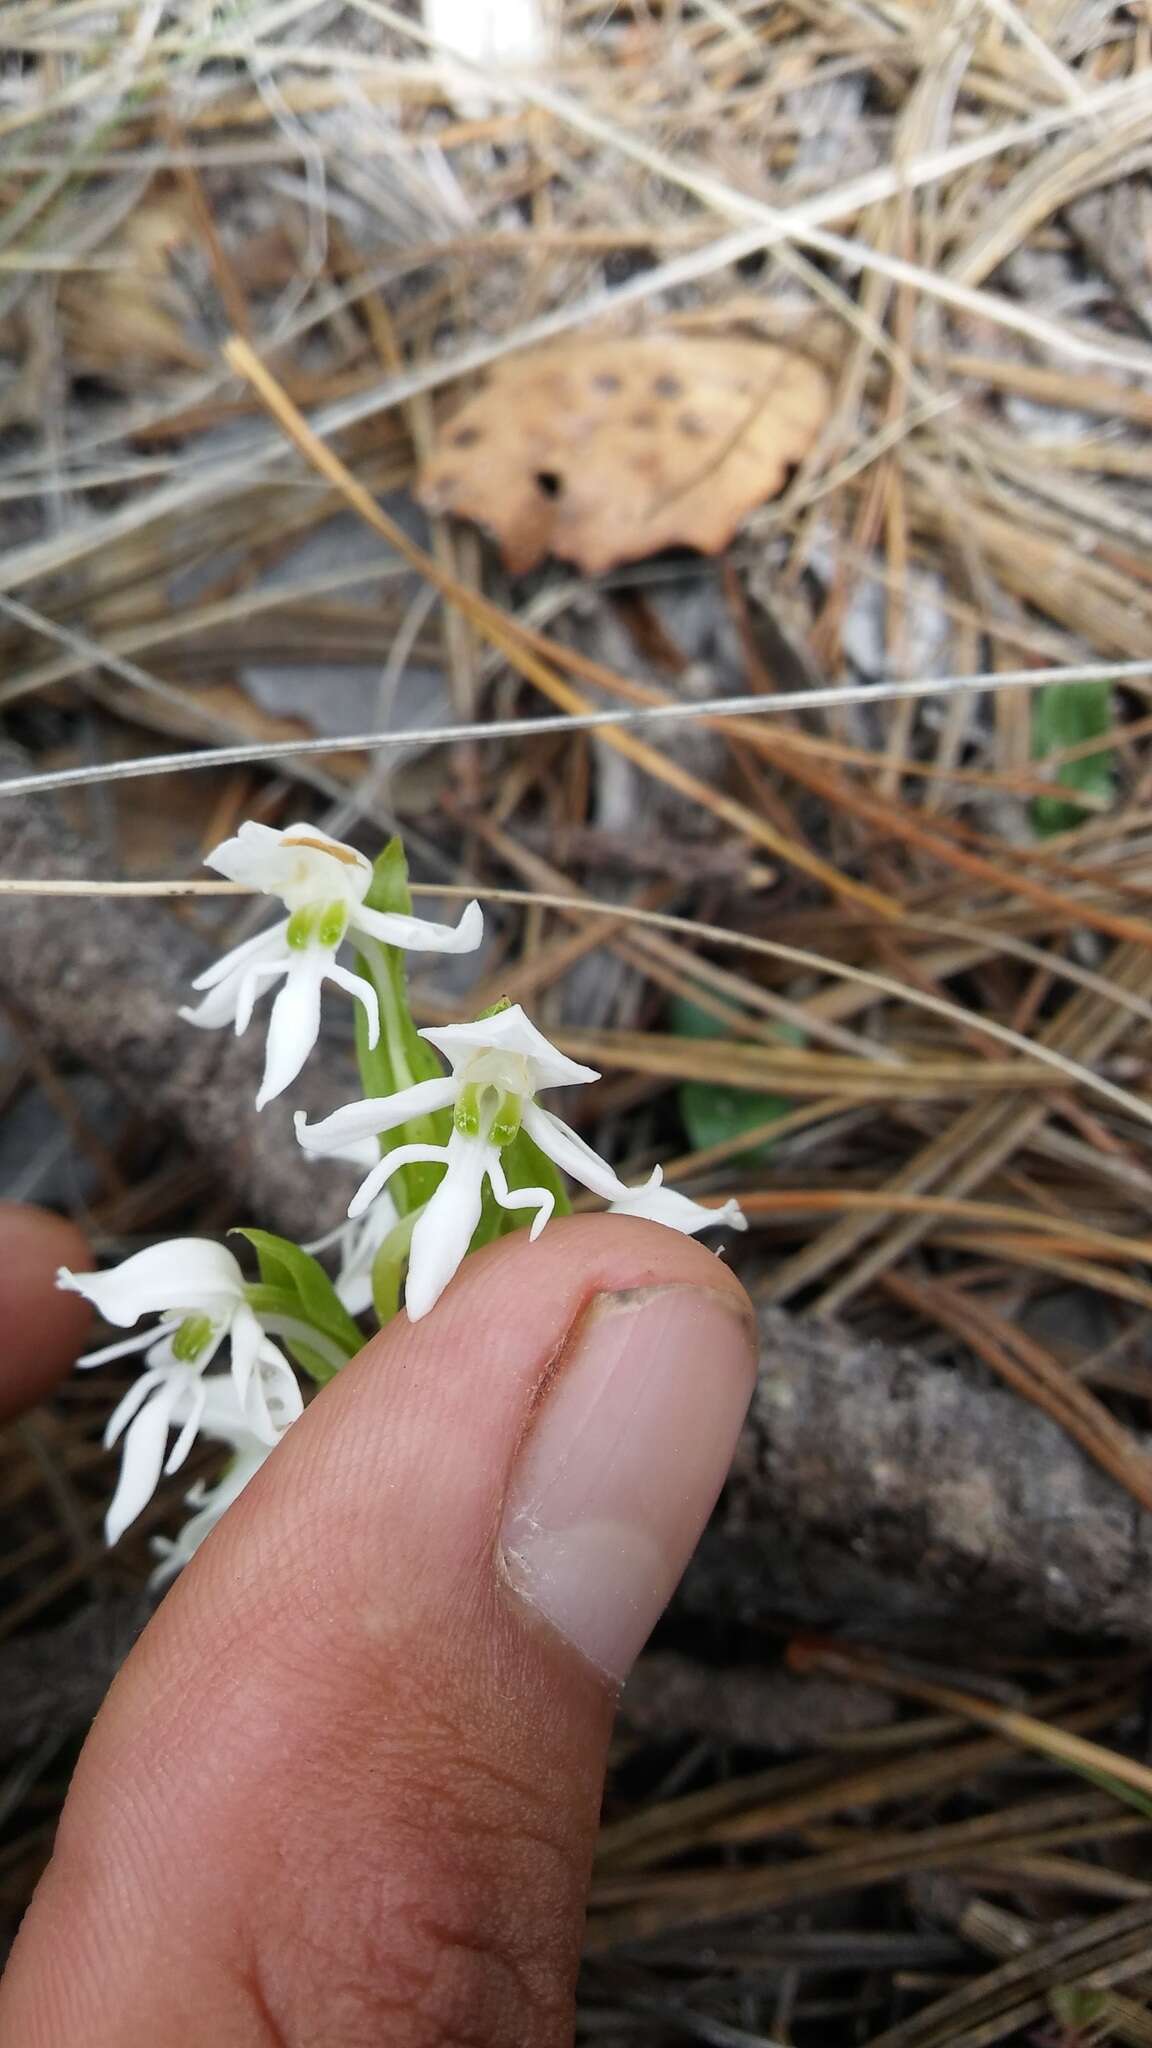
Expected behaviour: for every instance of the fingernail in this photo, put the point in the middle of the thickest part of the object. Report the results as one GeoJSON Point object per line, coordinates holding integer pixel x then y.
{"type": "Point", "coordinates": [623, 1463]}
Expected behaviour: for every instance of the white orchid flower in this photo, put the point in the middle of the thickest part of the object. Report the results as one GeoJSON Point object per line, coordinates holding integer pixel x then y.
{"type": "Point", "coordinates": [499, 1064]}
{"type": "Point", "coordinates": [322, 884]}
{"type": "Point", "coordinates": [659, 1204]}
{"type": "Point", "coordinates": [197, 1288]}
{"type": "Point", "coordinates": [223, 1420]}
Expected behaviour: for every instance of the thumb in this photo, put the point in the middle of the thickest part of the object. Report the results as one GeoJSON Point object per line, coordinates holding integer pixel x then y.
{"type": "Point", "coordinates": [345, 1789]}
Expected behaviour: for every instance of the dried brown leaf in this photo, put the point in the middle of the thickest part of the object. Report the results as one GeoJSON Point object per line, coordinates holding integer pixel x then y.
{"type": "Point", "coordinates": [602, 452]}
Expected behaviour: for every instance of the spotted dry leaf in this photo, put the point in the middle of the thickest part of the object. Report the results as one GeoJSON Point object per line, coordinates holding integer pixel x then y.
{"type": "Point", "coordinates": [601, 452]}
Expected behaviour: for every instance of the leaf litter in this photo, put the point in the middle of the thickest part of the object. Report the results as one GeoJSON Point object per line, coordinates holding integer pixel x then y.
{"type": "Point", "coordinates": [975, 497]}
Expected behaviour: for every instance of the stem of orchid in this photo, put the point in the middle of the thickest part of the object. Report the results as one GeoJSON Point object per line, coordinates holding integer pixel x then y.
{"type": "Point", "coordinates": [397, 1061]}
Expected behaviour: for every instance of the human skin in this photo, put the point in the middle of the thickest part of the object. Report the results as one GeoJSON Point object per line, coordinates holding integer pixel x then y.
{"type": "Point", "coordinates": [345, 1789]}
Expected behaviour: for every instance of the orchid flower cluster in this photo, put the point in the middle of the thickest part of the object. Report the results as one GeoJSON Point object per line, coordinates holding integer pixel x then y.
{"type": "Point", "coordinates": [453, 1159]}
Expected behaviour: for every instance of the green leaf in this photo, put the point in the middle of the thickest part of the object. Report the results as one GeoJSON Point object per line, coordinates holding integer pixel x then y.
{"type": "Point", "coordinates": [390, 1265]}
{"type": "Point", "coordinates": [711, 1113]}
{"type": "Point", "coordinates": [1064, 714]}
{"type": "Point", "coordinates": [302, 1288]}
{"type": "Point", "coordinates": [400, 1057]}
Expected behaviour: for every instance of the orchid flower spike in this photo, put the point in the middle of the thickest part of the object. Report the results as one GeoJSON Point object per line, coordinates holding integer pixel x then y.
{"type": "Point", "coordinates": [197, 1288]}
{"type": "Point", "coordinates": [322, 884]}
{"type": "Point", "coordinates": [223, 1420]}
{"type": "Point", "coordinates": [499, 1064]}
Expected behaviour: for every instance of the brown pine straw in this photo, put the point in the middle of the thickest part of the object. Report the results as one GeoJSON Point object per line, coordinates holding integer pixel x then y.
{"type": "Point", "coordinates": [516, 644]}
{"type": "Point", "coordinates": [1032, 1370]}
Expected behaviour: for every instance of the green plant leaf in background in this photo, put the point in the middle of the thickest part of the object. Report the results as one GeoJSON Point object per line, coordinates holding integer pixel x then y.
{"type": "Point", "coordinates": [712, 1114]}
{"type": "Point", "coordinates": [296, 1299]}
{"type": "Point", "coordinates": [1064, 714]}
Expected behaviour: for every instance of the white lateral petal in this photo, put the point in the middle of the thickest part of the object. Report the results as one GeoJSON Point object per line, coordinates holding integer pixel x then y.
{"type": "Point", "coordinates": [216, 1010]}
{"type": "Point", "coordinates": [363, 991]}
{"type": "Point", "coordinates": [512, 1032]}
{"type": "Point", "coordinates": [248, 990]}
{"type": "Point", "coordinates": [293, 1027]}
{"type": "Point", "coordinates": [129, 1404]}
{"type": "Point", "coordinates": [140, 1463]}
{"type": "Point", "coordinates": [571, 1154]}
{"type": "Point", "coordinates": [401, 1155]}
{"type": "Point", "coordinates": [139, 1341]}
{"type": "Point", "coordinates": [540, 1199]}
{"type": "Point", "coordinates": [372, 1117]}
{"type": "Point", "coordinates": [185, 1272]}
{"type": "Point", "coordinates": [194, 1402]}
{"type": "Point", "coordinates": [245, 955]}
{"type": "Point", "coordinates": [420, 934]}
{"type": "Point", "coordinates": [444, 1231]}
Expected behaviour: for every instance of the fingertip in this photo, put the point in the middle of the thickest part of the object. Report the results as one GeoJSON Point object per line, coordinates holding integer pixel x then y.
{"type": "Point", "coordinates": [577, 1257]}
{"type": "Point", "coordinates": [42, 1327]}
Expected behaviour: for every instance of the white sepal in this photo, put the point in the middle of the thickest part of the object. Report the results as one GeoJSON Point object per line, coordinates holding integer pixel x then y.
{"type": "Point", "coordinates": [658, 1204]}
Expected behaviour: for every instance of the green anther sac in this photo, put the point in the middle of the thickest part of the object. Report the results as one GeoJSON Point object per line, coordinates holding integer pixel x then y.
{"type": "Point", "coordinates": [506, 1122]}
{"type": "Point", "coordinates": [466, 1115]}
{"type": "Point", "coordinates": [302, 927]}
{"type": "Point", "coordinates": [333, 924]}
{"type": "Point", "coordinates": [194, 1334]}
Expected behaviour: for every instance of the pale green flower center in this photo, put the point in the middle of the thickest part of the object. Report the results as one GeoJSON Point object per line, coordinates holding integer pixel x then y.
{"type": "Point", "coordinates": [495, 1086]}
{"type": "Point", "coordinates": [319, 924]}
{"type": "Point", "coordinates": [193, 1337]}
{"type": "Point", "coordinates": [484, 1110]}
